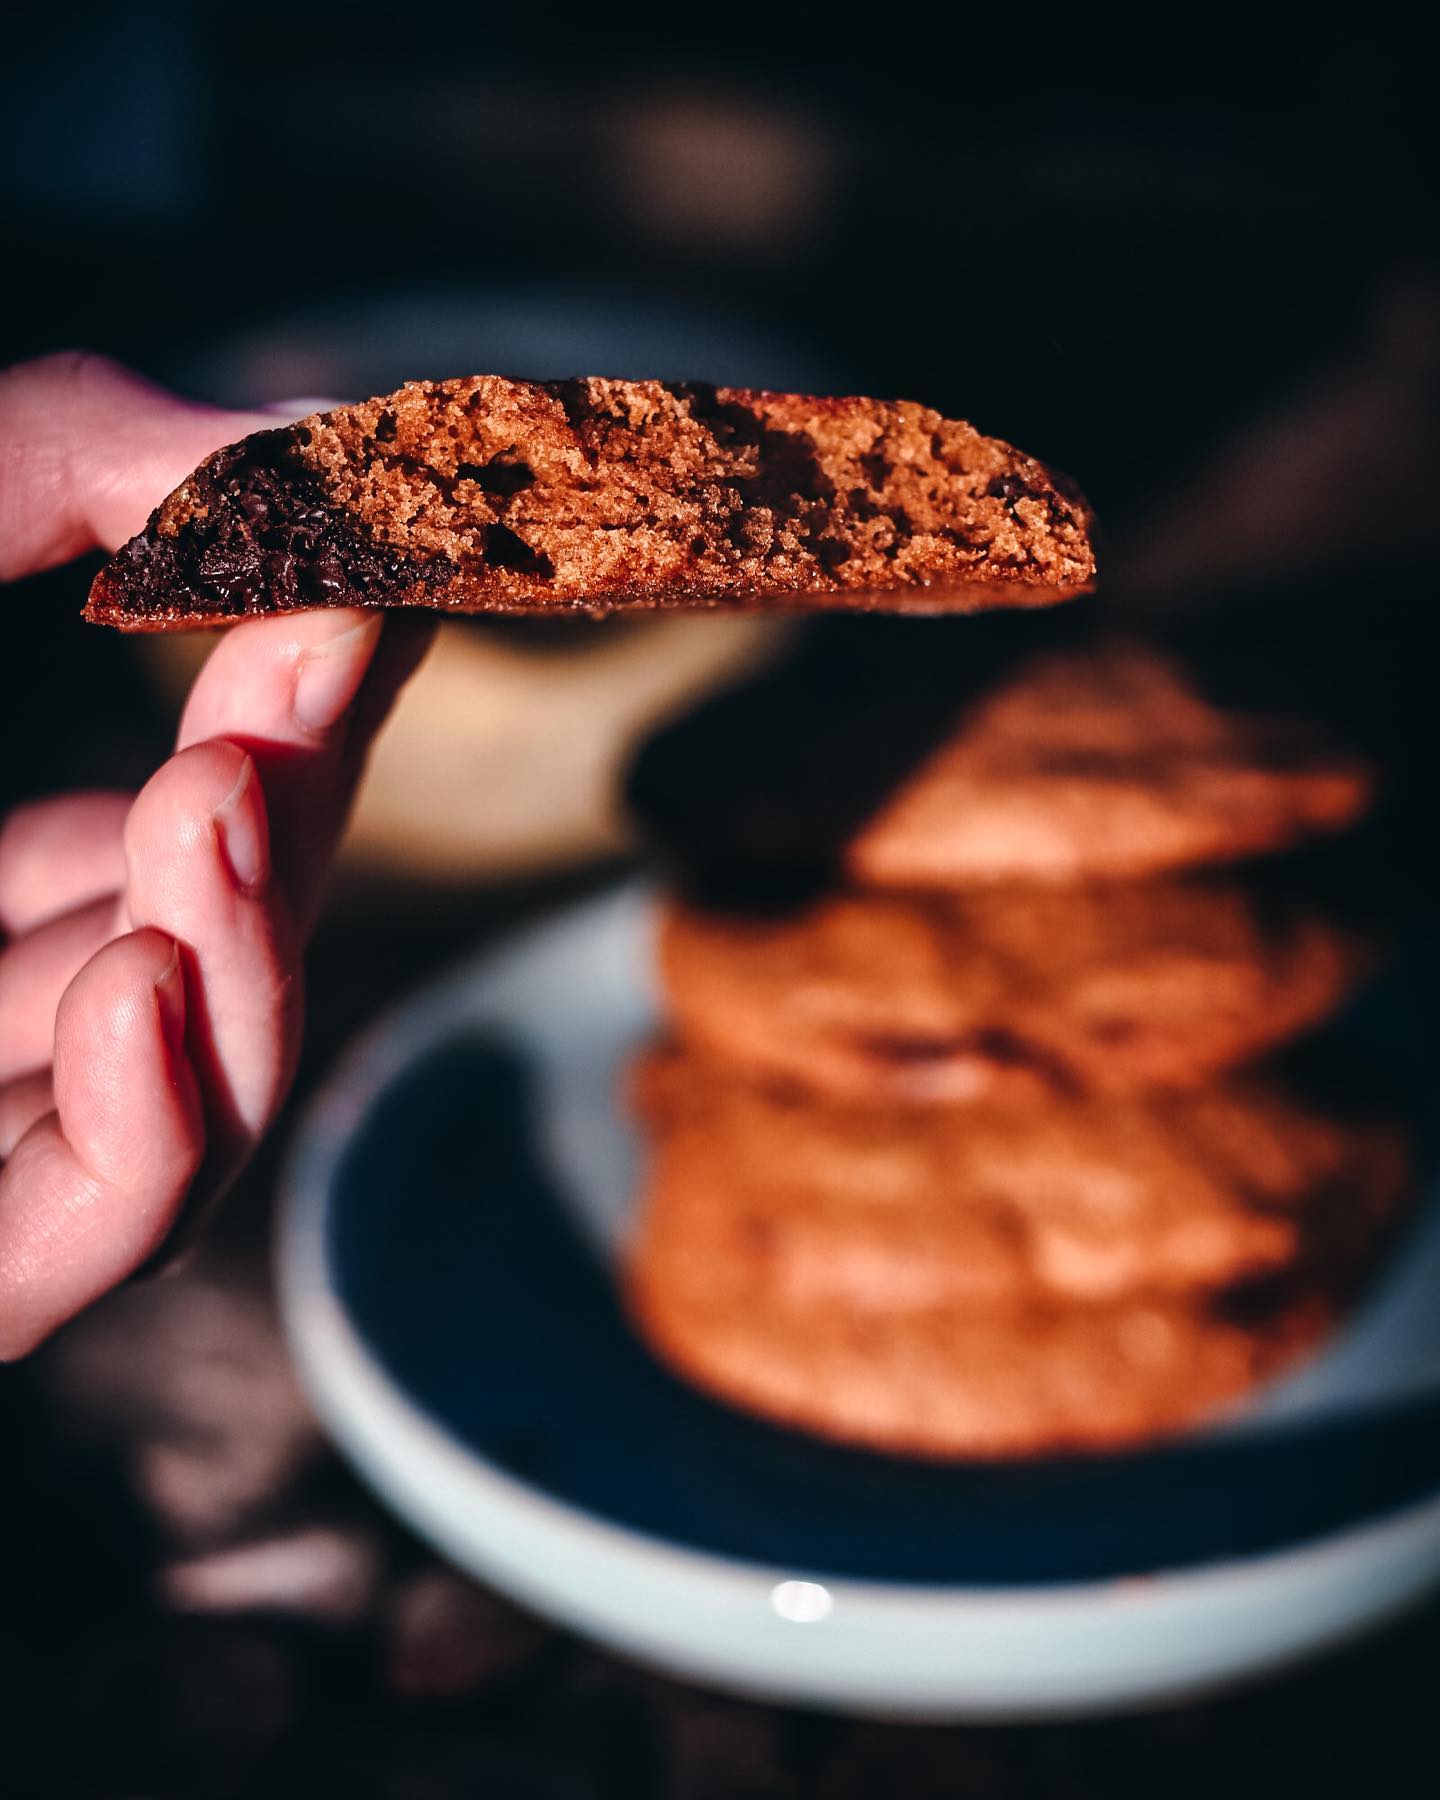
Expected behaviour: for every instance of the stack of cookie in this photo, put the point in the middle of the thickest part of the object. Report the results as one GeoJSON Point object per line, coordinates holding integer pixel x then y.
{"type": "Point", "coordinates": [973, 1155]}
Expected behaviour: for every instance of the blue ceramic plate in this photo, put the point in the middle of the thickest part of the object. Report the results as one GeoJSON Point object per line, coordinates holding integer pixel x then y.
{"type": "Point", "coordinates": [452, 1209]}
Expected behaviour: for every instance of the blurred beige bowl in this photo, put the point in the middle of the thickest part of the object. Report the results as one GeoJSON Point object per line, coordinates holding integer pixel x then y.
{"type": "Point", "coordinates": [502, 759]}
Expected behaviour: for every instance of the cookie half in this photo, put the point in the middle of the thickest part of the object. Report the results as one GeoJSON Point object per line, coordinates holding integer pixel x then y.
{"type": "Point", "coordinates": [489, 495]}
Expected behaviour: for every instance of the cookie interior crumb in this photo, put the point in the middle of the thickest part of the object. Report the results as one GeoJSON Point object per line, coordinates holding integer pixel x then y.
{"type": "Point", "coordinates": [489, 494]}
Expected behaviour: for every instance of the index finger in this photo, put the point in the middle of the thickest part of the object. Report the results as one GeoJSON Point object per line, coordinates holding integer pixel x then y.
{"type": "Point", "coordinates": [87, 449]}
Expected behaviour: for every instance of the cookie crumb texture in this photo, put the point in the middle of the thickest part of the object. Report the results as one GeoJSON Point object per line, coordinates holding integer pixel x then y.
{"type": "Point", "coordinates": [489, 495]}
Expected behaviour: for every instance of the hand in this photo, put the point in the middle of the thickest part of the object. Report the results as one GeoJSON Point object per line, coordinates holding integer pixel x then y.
{"type": "Point", "coordinates": [150, 976]}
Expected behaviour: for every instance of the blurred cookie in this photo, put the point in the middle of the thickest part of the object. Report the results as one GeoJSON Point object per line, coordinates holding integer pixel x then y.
{"type": "Point", "coordinates": [1004, 992]}
{"type": "Point", "coordinates": [869, 1211]}
{"type": "Point", "coordinates": [1009, 747]}
{"type": "Point", "coordinates": [1103, 762]}
{"type": "Point", "coordinates": [951, 1384]}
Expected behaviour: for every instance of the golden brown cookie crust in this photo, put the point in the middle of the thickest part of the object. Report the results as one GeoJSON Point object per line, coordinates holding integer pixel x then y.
{"type": "Point", "coordinates": [949, 1386]}
{"type": "Point", "coordinates": [987, 1282]}
{"type": "Point", "coordinates": [485, 494]}
{"type": "Point", "coordinates": [1104, 763]}
{"type": "Point", "coordinates": [1005, 992]}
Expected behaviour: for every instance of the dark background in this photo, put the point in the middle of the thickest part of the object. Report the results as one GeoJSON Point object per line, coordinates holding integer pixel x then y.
{"type": "Point", "coordinates": [1114, 245]}
{"type": "Point", "coordinates": [1187, 256]}
{"type": "Point", "coordinates": [1189, 260]}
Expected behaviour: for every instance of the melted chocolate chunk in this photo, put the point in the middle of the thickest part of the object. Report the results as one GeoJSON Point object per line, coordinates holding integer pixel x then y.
{"type": "Point", "coordinates": [787, 463]}
{"type": "Point", "coordinates": [912, 1046]}
{"type": "Point", "coordinates": [265, 539]}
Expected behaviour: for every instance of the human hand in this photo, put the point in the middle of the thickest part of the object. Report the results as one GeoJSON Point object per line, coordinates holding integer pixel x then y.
{"type": "Point", "coordinates": [150, 975]}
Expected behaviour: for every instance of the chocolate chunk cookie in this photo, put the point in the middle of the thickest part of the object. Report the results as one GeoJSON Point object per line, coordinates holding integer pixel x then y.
{"type": "Point", "coordinates": [1103, 762]}
{"type": "Point", "coordinates": [997, 1282]}
{"type": "Point", "coordinates": [1005, 992]}
{"type": "Point", "coordinates": [484, 494]}
{"type": "Point", "coordinates": [867, 1210]}
{"type": "Point", "coordinates": [950, 1385]}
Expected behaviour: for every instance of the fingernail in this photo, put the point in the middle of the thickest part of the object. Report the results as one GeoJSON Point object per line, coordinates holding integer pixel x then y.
{"type": "Point", "coordinates": [243, 833]}
{"type": "Point", "coordinates": [170, 996]}
{"type": "Point", "coordinates": [329, 676]}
